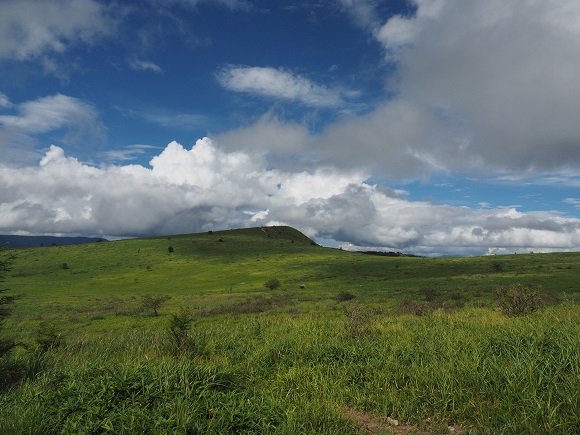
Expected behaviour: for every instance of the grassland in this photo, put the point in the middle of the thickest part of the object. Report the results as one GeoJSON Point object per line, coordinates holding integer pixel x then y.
{"type": "Point", "coordinates": [348, 343]}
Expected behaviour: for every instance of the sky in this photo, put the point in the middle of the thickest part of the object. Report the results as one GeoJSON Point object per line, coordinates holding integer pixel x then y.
{"type": "Point", "coordinates": [430, 127]}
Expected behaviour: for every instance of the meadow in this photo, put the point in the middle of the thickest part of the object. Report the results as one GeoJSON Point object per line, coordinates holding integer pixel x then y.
{"type": "Point", "coordinates": [181, 335]}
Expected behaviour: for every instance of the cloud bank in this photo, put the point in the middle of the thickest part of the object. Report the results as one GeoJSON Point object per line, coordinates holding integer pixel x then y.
{"type": "Point", "coordinates": [206, 188]}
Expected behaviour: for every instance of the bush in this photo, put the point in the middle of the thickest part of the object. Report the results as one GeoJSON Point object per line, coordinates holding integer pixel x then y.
{"type": "Point", "coordinates": [344, 296]}
{"type": "Point", "coordinates": [358, 320]}
{"type": "Point", "coordinates": [517, 300]}
{"type": "Point", "coordinates": [497, 266]}
{"type": "Point", "coordinates": [48, 337]}
{"type": "Point", "coordinates": [430, 293]}
{"type": "Point", "coordinates": [180, 331]}
{"type": "Point", "coordinates": [272, 284]}
{"type": "Point", "coordinates": [154, 302]}
{"type": "Point", "coordinates": [421, 308]}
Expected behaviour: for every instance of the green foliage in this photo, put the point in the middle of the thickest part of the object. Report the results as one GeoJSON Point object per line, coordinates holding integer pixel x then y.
{"type": "Point", "coordinates": [180, 331]}
{"type": "Point", "coordinates": [154, 302]}
{"type": "Point", "coordinates": [48, 337]}
{"type": "Point", "coordinates": [517, 300]}
{"type": "Point", "coordinates": [344, 296]}
{"type": "Point", "coordinates": [272, 284]}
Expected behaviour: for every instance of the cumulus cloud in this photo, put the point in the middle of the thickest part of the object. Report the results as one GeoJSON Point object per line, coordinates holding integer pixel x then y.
{"type": "Point", "coordinates": [503, 71]}
{"type": "Point", "coordinates": [30, 28]}
{"type": "Point", "coordinates": [205, 188]}
{"type": "Point", "coordinates": [278, 83]}
{"type": "Point", "coordinates": [482, 87]}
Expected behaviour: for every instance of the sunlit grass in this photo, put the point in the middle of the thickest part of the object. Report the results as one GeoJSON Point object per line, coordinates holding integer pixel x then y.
{"type": "Point", "coordinates": [290, 360]}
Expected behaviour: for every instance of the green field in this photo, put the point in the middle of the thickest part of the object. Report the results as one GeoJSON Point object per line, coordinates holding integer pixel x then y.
{"type": "Point", "coordinates": [347, 343]}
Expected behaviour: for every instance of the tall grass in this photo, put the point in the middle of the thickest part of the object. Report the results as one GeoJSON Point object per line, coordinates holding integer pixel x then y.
{"type": "Point", "coordinates": [475, 369]}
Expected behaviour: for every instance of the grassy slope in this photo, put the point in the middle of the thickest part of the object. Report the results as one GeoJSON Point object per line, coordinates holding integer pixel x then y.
{"type": "Point", "coordinates": [293, 360]}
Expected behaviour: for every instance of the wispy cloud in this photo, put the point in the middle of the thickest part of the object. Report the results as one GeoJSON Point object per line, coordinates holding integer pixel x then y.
{"type": "Point", "coordinates": [69, 120]}
{"type": "Point", "coordinates": [141, 65]}
{"type": "Point", "coordinates": [131, 152]}
{"type": "Point", "coordinates": [4, 101]}
{"type": "Point", "coordinates": [31, 28]}
{"type": "Point", "coordinates": [573, 201]}
{"type": "Point", "coordinates": [278, 83]}
{"type": "Point", "coordinates": [50, 113]}
{"type": "Point", "coordinates": [168, 118]}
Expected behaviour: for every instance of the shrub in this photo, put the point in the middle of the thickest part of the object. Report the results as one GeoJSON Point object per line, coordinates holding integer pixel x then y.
{"type": "Point", "coordinates": [430, 293]}
{"type": "Point", "coordinates": [497, 266]}
{"type": "Point", "coordinates": [517, 300]}
{"type": "Point", "coordinates": [180, 330]}
{"type": "Point", "coordinates": [48, 337]}
{"type": "Point", "coordinates": [344, 296]}
{"type": "Point", "coordinates": [358, 320]}
{"type": "Point", "coordinates": [272, 284]}
{"type": "Point", "coordinates": [407, 306]}
{"type": "Point", "coordinates": [154, 302]}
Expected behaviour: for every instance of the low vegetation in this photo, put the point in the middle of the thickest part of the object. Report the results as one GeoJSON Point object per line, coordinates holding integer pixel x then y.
{"type": "Point", "coordinates": [132, 338]}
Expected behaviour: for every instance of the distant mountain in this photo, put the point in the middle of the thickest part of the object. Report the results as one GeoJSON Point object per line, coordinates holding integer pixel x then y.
{"type": "Point", "coordinates": [32, 241]}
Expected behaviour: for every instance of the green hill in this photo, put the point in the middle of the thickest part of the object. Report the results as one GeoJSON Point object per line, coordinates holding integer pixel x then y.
{"type": "Point", "coordinates": [346, 341]}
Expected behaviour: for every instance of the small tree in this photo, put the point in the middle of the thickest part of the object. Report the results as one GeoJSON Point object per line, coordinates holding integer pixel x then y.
{"type": "Point", "coordinates": [154, 302]}
{"type": "Point", "coordinates": [272, 284]}
{"type": "Point", "coordinates": [179, 330]}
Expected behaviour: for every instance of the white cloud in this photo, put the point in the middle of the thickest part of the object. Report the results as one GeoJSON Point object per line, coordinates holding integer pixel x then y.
{"type": "Point", "coordinates": [167, 118]}
{"type": "Point", "coordinates": [493, 85]}
{"type": "Point", "coordinates": [30, 28]}
{"type": "Point", "coordinates": [74, 121]}
{"type": "Point", "coordinates": [130, 152]}
{"type": "Point", "coordinates": [142, 65]}
{"type": "Point", "coordinates": [4, 101]}
{"type": "Point", "coordinates": [208, 188]}
{"type": "Point", "coordinates": [230, 4]}
{"type": "Point", "coordinates": [363, 12]}
{"type": "Point", "coordinates": [572, 201]}
{"type": "Point", "coordinates": [500, 74]}
{"type": "Point", "coordinates": [49, 113]}
{"type": "Point", "coordinates": [278, 83]}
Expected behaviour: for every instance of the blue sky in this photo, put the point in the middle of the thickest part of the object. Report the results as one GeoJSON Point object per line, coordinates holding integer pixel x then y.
{"type": "Point", "coordinates": [434, 127]}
